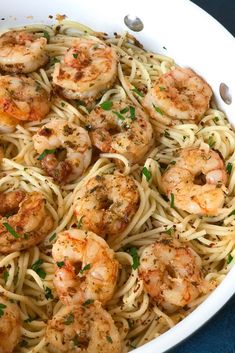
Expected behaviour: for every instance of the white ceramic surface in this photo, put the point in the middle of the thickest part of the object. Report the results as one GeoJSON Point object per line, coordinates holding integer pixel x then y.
{"type": "Point", "coordinates": [194, 39]}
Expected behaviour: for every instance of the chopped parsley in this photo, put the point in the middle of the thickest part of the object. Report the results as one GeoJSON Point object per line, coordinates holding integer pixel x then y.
{"type": "Point", "coordinates": [132, 113]}
{"type": "Point", "coordinates": [62, 104]}
{"type": "Point", "coordinates": [36, 267]}
{"type": "Point", "coordinates": [52, 237]}
{"type": "Point", "coordinates": [211, 142]}
{"type": "Point", "coordinates": [232, 213]}
{"type": "Point", "coordinates": [2, 306]}
{"type": "Point", "coordinates": [106, 105]}
{"type": "Point", "coordinates": [69, 319]}
{"type": "Point", "coordinates": [88, 302]}
{"type": "Point", "coordinates": [158, 110]}
{"type": "Point", "coordinates": [5, 275]}
{"type": "Point", "coordinates": [216, 119]}
{"type": "Point", "coordinates": [80, 222]}
{"type": "Point", "coordinates": [229, 168]}
{"type": "Point", "coordinates": [135, 258]}
{"type": "Point", "coordinates": [162, 88]}
{"type": "Point", "coordinates": [172, 200]}
{"type": "Point", "coordinates": [11, 230]}
{"type": "Point", "coordinates": [109, 339]}
{"type": "Point", "coordinates": [30, 319]}
{"type": "Point", "coordinates": [48, 293]}
{"type": "Point", "coordinates": [44, 153]}
{"type": "Point", "coordinates": [75, 56]}
{"type": "Point", "coordinates": [146, 173]}
{"type": "Point", "coordinates": [60, 264]}
{"type": "Point", "coordinates": [46, 35]}
{"type": "Point", "coordinates": [54, 60]}
{"type": "Point", "coordinates": [124, 110]}
{"type": "Point", "coordinates": [26, 236]}
{"type": "Point", "coordinates": [79, 102]}
{"type": "Point", "coordinates": [130, 323]}
{"type": "Point", "coordinates": [170, 231]}
{"type": "Point", "coordinates": [119, 115]}
{"type": "Point", "coordinates": [137, 92]}
{"type": "Point", "coordinates": [229, 259]}
{"type": "Point", "coordinates": [85, 268]}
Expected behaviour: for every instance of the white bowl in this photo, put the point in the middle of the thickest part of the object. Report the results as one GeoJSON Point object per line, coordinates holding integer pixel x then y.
{"type": "Point", "coordinates": [192, 38]}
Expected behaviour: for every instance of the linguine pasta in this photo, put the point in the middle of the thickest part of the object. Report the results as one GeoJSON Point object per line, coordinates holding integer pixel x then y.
{"type": "Point", "coordinates": [27, 277]}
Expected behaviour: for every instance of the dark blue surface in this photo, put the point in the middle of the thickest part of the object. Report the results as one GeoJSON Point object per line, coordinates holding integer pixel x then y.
{"type": "Point", "coordinates": [218, 335]}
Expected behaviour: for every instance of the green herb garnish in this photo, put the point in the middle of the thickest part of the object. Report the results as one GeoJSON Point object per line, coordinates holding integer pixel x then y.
{"type": "Point", "coordinates": [46, 35]}
{"type": "Point", "coordinates": [124, 110]}
{"type": "Point", "coordinates": [11, 230]}
{"type": "Point", "coordinates": [2, 306]}
{"type": "Point", "coordinates": [166, 133]}
{"type": "Point", "coordinates": [48, 293]}
{"type": "Point", "coordinates": [5, 275]}
{"type": "Point", "coordinates": [172, 201]}
{"type": "Point", "coordinates": [158, 110]}
{"type": "Point", "coordinates": [229, 168]}
{"type": "Point", "coordinates": [69, 320]}
{"type": "Point", "coordinates": [80, 222]}
{"type": "Point", "coordinates": [135, 258]}
{"type": "Point", "coordinates": [44, 153]}
{"type": "Point", "coordinates": [162, 88]}
{"type": "Point", "coordinates": [137, 92]}
{"type": "Point", "coordinates": [216, 119]}
{"type": "Point", "coordinates": [85, 268]}
{"type": "Point", "coordinates": [211, 142]}
{"type": "Point", "coordinates": [106, 105]}
{"type": "Point", "coordinates": [36, 267]}
{"type": "Point", "coordinates": [60, 264]}
{"type": "Point", "coordinates": [232, 213]}
{"type": "Point", "coordinates": [170, 231]}
{"type": "Point", "coordinates": [146, 173]}
{"type": "Point", "coordinates": [132, 113]}
{"type": "Point", "coordinates": [88, 302]}
{"type": "Point", "coordinates": [119, 115]}
{"type": "Point", "coordinates": [130, 323]}
{"type": "Point", "coordinates": [229, 259]}
{"type": "Point", "coordinates": [75, 56]}
{"type": "Point", "coordinates": [30, 319]}
{"type": "Point", "coordinates": [52, 237]}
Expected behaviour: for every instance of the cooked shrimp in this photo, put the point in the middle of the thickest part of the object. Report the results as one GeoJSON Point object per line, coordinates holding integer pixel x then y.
{"type": "Point", "coordinates": [121, 130]}
{"type": "Point", "coordinates": [10, 330]}
{"type": "Point", "coordinates": [24, 220]}
{"type": "Point", "coordinates": [22, 98]}
{"type": "Point", "coordinates": [87, 329]}
{"type": "Point", "coordinates": [66, 148]}
{"type": "Point", "coordinates": [86, 268]}
{"type": "Point", "coordinates": [22, 52]}
{"type": "Point", "coordinates": [172, 274]}
{"type": "Point", "coordinates": [87, 70]}
{"type": "Point", "coordinates": [196, 182]}
{"type": "Point", "coordinates": [178, 94]}
{"type": "Point", "coordinates": [7, 123]}
{"type": "Point", "coordinates": [107, 204]}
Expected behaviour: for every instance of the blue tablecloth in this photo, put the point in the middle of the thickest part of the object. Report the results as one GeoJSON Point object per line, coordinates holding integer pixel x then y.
{"type": "Point", "coordinates": [218, 335]}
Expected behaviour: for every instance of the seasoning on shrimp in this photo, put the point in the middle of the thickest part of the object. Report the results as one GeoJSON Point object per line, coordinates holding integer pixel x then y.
{"type": "Point", "coordinates": [107, 204]}
{"type": "Point", "coordinates": [24, 220]}
{"type": "Point", "coordinates": [10, 325]}
{"type": "Point", "coordinates": [86, 267]}
{"type": "Point", "coordinates": [64, 148]}
{"type": "Point", "coordinates": [21, 99]}
{"type": "Point", "coordinates": [121, 129]}
{"type": "Point", "coordinates": [88, 69]}
{"type": "Point", "coordinates": [172, 274]}
{"type": "Point", "coordinates": [22, 52]}
{"type": "Point", "coordinates": [179, 94]}
{"type": "Point", "coordinates": [197, 181]}
{"type": "Point", "coordinates": [87, 329]}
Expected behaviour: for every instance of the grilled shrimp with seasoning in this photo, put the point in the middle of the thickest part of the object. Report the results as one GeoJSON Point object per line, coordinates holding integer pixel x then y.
{"type": "Point", "coordinates": [65, 150]}
{"type": "Point", "coordinates": [172, 274]}
{"type": "Point", "coordinates": [88, 329]}
{"type": "Point", "coordinates": [122, 129]}
{"type": "Point", "coordinates": [88, 69]}
{"type": "Point", "coordinates": [197, 182]}
{"type": "Point", "coordinates": [107, 204]}
{"type": "Point", "coordinates": [22, 52]}
{"type": "Point", "coordinates": [24, 220]}
{"type": "Point", "coordinates": [86, 267]}
{"type": "Point", "coordinates": [10, 330]}
{"type": "Point", "coordinates": [179, 94]}
{"type": "Point", "coordinates": [21, 99]}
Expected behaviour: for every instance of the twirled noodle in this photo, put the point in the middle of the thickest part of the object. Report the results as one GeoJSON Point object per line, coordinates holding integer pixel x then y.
{"type": "Point", "coordinates": [213, 238]}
